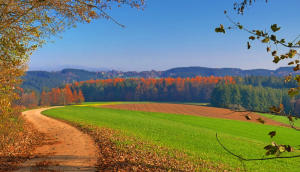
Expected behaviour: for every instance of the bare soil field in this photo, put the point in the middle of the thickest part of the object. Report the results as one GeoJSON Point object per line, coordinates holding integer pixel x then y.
{"type": "Point", "coordinates": [196, 111]}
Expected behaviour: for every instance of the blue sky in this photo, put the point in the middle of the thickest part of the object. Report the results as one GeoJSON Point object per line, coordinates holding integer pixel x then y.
{"type": "Point", "coordinates": [169, 33]}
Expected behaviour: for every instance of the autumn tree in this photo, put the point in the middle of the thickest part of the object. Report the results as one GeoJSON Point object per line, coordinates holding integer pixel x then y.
{"type": "Point", "coordinates": [80, 97]}
{"type": "Point", "coordinates": [68, 95]}
{"type": "Point", "coordinates": [44, 99]}
{"type": "Point", "coordinates": [27, 24]}
{"type": "Point", "coordinates": [29, 100]}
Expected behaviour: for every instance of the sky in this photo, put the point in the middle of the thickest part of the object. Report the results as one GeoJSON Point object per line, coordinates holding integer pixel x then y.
{"type": "Point", "coordinates": [168, 34]}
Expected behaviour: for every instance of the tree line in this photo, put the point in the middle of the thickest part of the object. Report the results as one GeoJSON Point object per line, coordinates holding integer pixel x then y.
{"type": "Point", "coordinates": [55, 97]}
{"type": "Point", "coordinates": [253, 98]}
{"type": "Point", "coordinates": [196, 89]}
{"type": "Point", "coordinates": [266, 81]}
{"type": "Point", "coordinates": [254, 93]}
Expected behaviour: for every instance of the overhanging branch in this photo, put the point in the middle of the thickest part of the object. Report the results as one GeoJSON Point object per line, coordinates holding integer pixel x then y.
{"type": "Point", "coordinates": [252, 159]}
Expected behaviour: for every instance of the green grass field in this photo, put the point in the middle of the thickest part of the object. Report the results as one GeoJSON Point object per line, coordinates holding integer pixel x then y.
{"type": "Point", "coordinates": [93, 104]}
{"type": "Point", "coordinates": [282, 119]}
{"type": "Point", "coordinates": [191, 134]}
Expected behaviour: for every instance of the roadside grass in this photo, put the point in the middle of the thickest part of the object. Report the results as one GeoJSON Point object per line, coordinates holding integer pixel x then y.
{"type": "Point", "coordinates": [282, 119]}
{"type": "Point", "coordinates": [120, 152]}
{"type": "Point", "coordinates": [192, 135]}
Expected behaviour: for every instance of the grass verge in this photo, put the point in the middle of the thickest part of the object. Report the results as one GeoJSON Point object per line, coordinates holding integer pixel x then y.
{"type": "Point", "coordinates": [195, 136]}
{"type": "Point", "coordinates": [120, 152]}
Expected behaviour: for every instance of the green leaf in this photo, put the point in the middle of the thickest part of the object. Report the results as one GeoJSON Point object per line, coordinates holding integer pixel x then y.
{"type": "Point", "coordinates": [283, 56]}
{"type": "Point", "coordinates": [276, 59]}
{"type": "Point", "coordinates": [275, 28]}
{"type": "Point", "coordinates": [292, 92]}
{"type": "Point", "coordinates": [281, 149]}
{"type": "Point", "coordinates": [252, 38]}
{"type": "Point", "coordinates": [266, 40]}
{"type": "Point", "coordinates": [273, 38]}
{"type": "Point", "coordinates": [272, 134]}
{"type": "Point", "coordinates": [258, 33]}
{"type": "Point", "coordinates": [292, 53]}
{"type": "Point", "coordinates": [220, 29]}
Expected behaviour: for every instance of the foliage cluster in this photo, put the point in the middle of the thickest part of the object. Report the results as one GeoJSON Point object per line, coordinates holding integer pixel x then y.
{"type": "Point", "coordinates": [55, 97]}
{"type": "Point", "coordinates": [15, 152]}
{"type": "Point", "coordinates": [289, 52]}
{"type": "Point", "coordinates": [24, 26]}
{"type": "Point", "coordinates": [269, 37]}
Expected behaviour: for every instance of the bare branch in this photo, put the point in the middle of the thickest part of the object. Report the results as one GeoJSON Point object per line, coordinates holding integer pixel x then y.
{"type": "Point", "coordinates": [253, 33]}
{"type": "Point", "coordinates": [103, 13]}
{"type": "Point", "coordinates": [252, 159]}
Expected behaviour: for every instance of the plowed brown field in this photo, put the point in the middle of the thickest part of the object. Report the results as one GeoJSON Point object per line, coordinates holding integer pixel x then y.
{"type": "Point", "coordinates": [195, 110]}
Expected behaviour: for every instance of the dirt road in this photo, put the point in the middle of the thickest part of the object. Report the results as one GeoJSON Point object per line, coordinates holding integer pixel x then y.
{"type": "Point", "coordinates": [67, 149]}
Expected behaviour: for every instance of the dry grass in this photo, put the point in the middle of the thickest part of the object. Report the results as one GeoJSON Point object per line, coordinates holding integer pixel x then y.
{"type": "Point", "coordinates": [118, 152]}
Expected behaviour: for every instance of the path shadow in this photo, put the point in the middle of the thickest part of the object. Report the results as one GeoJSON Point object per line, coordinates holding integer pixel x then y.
{"type": "Point", "coordinates": [54, 163]}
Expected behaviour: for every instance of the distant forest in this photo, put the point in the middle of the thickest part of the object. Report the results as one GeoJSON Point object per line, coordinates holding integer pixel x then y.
{"type": "Point", "coordinates": [42, 80]}
{"type": "Point", "coordinates": [250, 93]}
{"type": "Point", "coordinates": [254, 93]}
{"type": "Point", "coordinates": [196, 89]}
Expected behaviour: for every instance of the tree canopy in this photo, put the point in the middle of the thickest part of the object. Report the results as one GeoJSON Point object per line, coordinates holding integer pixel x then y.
{"type": "Point", "coordinates": [27, 24]}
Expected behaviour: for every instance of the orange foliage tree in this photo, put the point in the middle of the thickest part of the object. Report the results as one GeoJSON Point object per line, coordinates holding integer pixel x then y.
{"type": "Point", "coordinates": [61, 96]}
{"type": "Point", "coordinates": [163, 89]}
{"type": "Point", "coordinates": [24, 26]}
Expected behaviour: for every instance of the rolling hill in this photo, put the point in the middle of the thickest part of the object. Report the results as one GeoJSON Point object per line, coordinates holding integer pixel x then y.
{"type": "Point", "coordinates": [39, 80]}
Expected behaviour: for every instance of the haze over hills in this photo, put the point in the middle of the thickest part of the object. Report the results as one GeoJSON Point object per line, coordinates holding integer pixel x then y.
{"type": "Point", "coordinates": [39, 80]}
{"type": "Point", "coordinates": [51, 68]}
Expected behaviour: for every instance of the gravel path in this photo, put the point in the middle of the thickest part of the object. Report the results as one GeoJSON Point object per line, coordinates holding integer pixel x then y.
{"type": "Point", "coordinates": [66, 148]}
